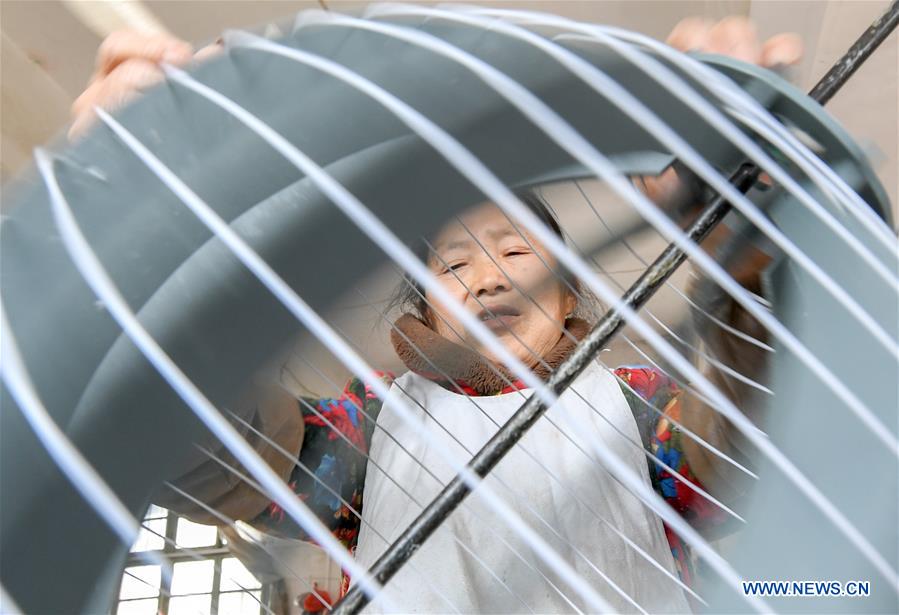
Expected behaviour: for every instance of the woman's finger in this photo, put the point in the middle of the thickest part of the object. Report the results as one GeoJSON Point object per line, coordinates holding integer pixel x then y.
{"type": "Point", "coordinates": [131, 76]}
{"type": "Point", "coordinates": [735, 37]}
{"type": "Point", "coordinates": [126, 45]}
{"type": "Point", "coordinates": [690, 34]}
{"type": "Point", "coordinates": [209, 51]}
{"type": "Point", "coordinates": [87, 97]}
{"type": "Point", "coordinates": [125, 82]}
{"type": "Point", "coordinates": [782, 50]}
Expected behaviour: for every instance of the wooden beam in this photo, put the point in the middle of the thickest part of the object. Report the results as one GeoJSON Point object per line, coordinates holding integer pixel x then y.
{"type": "Point", "coordinates": [33, 107]}
{"type": "Point", "coordinates": [106, 16]}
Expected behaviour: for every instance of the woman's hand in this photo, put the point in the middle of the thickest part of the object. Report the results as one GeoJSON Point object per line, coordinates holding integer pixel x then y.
{"type": "Point", "coordinates": [128, 63]}
{"type": "Point", "coordinates": [738, 38]}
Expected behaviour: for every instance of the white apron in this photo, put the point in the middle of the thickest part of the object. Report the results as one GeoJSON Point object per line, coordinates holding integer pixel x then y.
{"type": "Point", "coordinates": [456, 576]}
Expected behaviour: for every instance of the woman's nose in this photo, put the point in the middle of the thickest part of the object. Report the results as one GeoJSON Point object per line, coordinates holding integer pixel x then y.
{"type": "Point", "coordinates": [489, 279]}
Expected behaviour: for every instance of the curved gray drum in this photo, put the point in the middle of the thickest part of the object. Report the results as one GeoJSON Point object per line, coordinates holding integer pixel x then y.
{"type": "Point", "coordinates": [214, 318]}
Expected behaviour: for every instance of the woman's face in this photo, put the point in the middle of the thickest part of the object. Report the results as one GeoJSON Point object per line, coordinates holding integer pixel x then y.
{"type": "Point", "coordinates": [489, 267]}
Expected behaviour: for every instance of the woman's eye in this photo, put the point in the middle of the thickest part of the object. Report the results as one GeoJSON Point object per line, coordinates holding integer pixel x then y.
{"type": "Point", "coordinates": [454, 267]}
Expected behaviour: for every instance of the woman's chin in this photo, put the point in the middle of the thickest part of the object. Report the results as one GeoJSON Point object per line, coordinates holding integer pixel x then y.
{"type": "Point", "coordinates": [515, 349]}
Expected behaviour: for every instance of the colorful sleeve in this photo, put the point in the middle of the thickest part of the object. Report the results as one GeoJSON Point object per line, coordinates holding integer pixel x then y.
{"type": "Point", "coordinates": [659, 416]}
{"type": "Point", "coordinates": [331, 470]}
{"type": "Point", "coordinates": [656, 403]}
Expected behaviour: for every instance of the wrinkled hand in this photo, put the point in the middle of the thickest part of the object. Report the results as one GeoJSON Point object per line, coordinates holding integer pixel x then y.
{"type": "Point", "coordinates": [736, 37]}
{"type": "Point", "coordinates": [128, 63]}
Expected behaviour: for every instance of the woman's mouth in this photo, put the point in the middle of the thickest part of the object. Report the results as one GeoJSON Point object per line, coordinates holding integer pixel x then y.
{"type": "Point", "coordinates": [498, 317]}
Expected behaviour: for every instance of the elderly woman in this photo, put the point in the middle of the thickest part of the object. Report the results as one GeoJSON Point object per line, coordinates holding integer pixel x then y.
{"type": "Point", "coordinates": [356, 444]}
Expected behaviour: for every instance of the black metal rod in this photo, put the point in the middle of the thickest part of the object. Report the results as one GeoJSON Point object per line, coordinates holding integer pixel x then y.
{"type": "Point", "coordinates": [605, 330]}
{"type": "Point", "coordinates": [857, 54]}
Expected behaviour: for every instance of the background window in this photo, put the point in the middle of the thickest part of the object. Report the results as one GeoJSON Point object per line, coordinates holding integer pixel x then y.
{"type": "Point", "coordinates": [206, 578]}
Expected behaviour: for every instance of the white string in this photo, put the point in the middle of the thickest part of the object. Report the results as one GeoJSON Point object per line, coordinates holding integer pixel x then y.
{"type": "Point", "coordinates": [568, 138]}
{"type": "Point", "coordinates": [732, 94]}
{"type": "Point", "coordinates": [423, 467]}
{"type": "Point", "coordinates": [635, 109]}
{"type": "Point", "coordinates": [640, 551]}
{"type": "Point", "coordinates": [8, 606]}
{"type": "Point", "coordinates": [479, 175]}
{"type": "Point", "coordinates": [375, 229]}
{"type": "Point", "coordinates": [794, 149]}
{"type": "Point", "coordinates": [99, 281]}
{"type": "Point", "coordinates": [646, 453]}
{"type": "Point", "coordinates": [358, 514]}
{"type": "Point", "coordinates": [455, 538]}
{"type": "Point", "coordinates": [515, 497]}
{"type": "Point", "coordinates": [246, 479]}
{"type": "Point", "coordinates": [68, 459]}
{"type": "Point", "coordinates": [520, 446]}
{"type": "Point", "coordinates": [732, 330]}
{"type": "Point", "coordinates": [681, 383]}
{"type": "Point", "coordinates": [314, 323]}
{"type": "Point", "coordinates": [712, 360]}
{"type": "Point", "coordinates": [720, 365]}
{"type": "Point", "coordinates": [683, 429]}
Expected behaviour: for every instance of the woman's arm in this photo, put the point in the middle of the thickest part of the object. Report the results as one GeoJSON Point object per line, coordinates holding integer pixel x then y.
{"type": "Point", "coordinates": [646, 386]}
{"type": "Point", "coordinates": [736, 37]}
{"type": "Point", "coordinates": [330, 471]}
{"type": "Point", "coordinates": [744, 261]}
{"type": "Point", "coordinates": [271, 422]}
